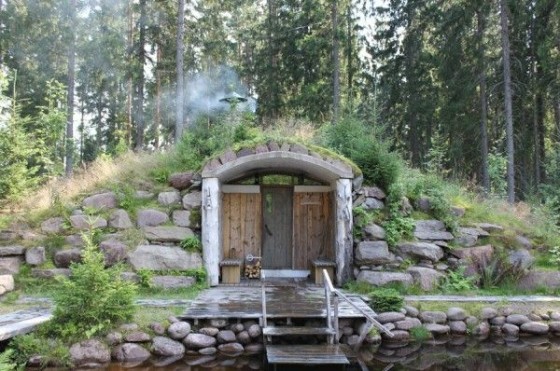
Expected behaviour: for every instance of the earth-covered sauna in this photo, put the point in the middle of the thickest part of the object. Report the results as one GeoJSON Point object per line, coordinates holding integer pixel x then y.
{"type": "Point", "coordinates": [285, 204]}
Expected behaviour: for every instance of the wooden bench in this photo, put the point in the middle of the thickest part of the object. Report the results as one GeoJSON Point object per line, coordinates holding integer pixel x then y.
{"type": "Point", "coordinates": [231, 270]}
{"type": "Point", "coordinates": [317, 266]}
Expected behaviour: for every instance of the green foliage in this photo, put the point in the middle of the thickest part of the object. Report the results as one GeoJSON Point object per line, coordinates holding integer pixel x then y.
{"type": "Point", "coordinates": [362, 288]}
{"type": "Point", "coordinates": [385, 300]}
{"type": "Point", "coordinates": [18, 176]}
{"type": "Point", "coordinates": [6, 360]}
{"type": "Point", "coordinates": [497, 170]}
{"type": "Point", "coordinates": [52, 350]}
{"type": "Point", "coordinates": [363, 144]}
{"type": "Point", "coordinates": [497, 271]}
{"type": "Point", "coordinates": [554, 255]}
{"type": "Point", "coordinates": [398, 227]}
{"type": "Point", "coordinates": [92, 298]}
{"type": "Point", "coordinates": [195, 217]}
{"type": "Point", "coordinates": [192, 244]}
{"type": "Point", "coordinates": [362, 218]}
{"type": "Point", "coordinates": [145, 277]}
{"type": "Point", "coordinates": [420, 334]}
{"type": "Point", "coordinates": [457, 281]}
{"type": "Point", "coordinates": [126, 197]}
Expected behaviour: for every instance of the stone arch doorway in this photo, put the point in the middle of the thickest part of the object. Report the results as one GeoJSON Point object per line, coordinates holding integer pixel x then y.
{"type": "Point", "coordinates": [288, 225]}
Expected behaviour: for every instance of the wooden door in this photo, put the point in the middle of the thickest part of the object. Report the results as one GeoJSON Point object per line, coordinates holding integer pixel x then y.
{"type": "Point", "coordinates": [241, 225]}
{"type": "Point", "coordinates": [277, 227]}
{"type": "Point", "coordinates": [313, 228]}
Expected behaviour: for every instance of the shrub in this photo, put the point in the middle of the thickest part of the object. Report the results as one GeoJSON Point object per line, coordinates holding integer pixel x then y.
{"type": "Point", "coordinates": [92, 298]}
{"type": "Point", "coordinates": [497, 270]}
{"type": "Point", "coordinates": [52, 350]}
{"type": "Point", "coordinates": [363, 145]}
{"type": "Point", "coordinates": [386, 300]}
{"type": "Point", "coordinates": [192, 244]}
{"type": "Point", "coordinates": [420, 334]}
{"type": "Point", "coordinates": [457, 281]}
{"type": "Point", "coordinates": [6, 360]}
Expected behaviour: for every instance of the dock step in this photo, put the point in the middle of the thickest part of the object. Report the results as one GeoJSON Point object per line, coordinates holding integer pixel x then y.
{"type": "Point", "coordinates": [300, 330]}
{"type": "Point", "coordinates": [307, 354]}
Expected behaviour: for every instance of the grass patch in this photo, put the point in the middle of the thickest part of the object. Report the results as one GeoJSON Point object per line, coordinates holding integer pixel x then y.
{"type": "Point", "coordinates": [420, 334]}
{"type": "Point", "coordinates": [144, 316]}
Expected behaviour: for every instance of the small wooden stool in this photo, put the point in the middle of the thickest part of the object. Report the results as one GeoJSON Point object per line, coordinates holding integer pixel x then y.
{"type": "Point", "coordinates": [231, 270]}
{"type": "Point", "coordinates": [317, 270]}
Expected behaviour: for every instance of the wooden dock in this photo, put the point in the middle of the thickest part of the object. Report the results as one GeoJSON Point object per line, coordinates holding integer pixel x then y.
{"type": "Point", "coordinates": [283, 301]}
{"type": "Point", "coordinates": [308, 354]}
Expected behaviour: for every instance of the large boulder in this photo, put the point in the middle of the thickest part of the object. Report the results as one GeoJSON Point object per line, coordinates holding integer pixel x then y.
{"type": "Point", "coordinates": [64, 258]}
{"type": "Point", "coordinates": [14, 250]}
{"type": "Point", "coordinates": [10, 265]}
{"type": "Point", "coordinates": [198, 341]}
{"type": "Point", "coordinates": [172, 282]}
{"type": "Point", "coordinates": [50, 273]}
{"type": "Point", "coordinates": [179, 330]}
{"type": "Point", "coordinates": [538, 279]}
{"type": "Point", "coordinates": [478, 253]}
{"type": "Point", "coordinates": [6, 283]}
{"type": "Point", "coordinates": [53, 225]}
{"type": "Point", "coordinates": [167, 234]}
{"type": "Point", "coordinates": [130, 352]}
{"type": "Point", "coordinates": [120, 219]}
{"type": "Point", "coordinates": [374, 232]}
{"type": "Point", "coordinates": [107, 200]}
{"type": "Point", "coordinates": [85, 222]}
{"type": "Point", "coordinates": [181, 181]}
{"type": "Point", "coordinates": [420, 250]}
{"type": "Point", "coordinates": [166, 347]}
{"type": "Point", "coordinates": [383, 278]}
{"type": "Point", "coordinates": [431, 230]}
{"type": "Point", "coordinates": [89, 352]}
{"type": "Point", "coordinates": [182, 218]}
{"type": "Point", "coordinates": [169, 198]}
{"type": "Point", "coordinates": [114, 252]}
{"type": "Point", "coordinates": [192, 200]}
{"type": "Point", "coordinates": [373, 252]}
{"type": "Point", "coordinates": [35, 255]}
{"type": "Point", "coordinates": [535, 328]}
{"type": "Point", "coordinates": [157, 257]}
{"type": "Point", "coordinates": [426, 278]}
{"type": "Point", "coordinates": [151, 218]}
{"type": "Point", "coordinates": [521, 258]}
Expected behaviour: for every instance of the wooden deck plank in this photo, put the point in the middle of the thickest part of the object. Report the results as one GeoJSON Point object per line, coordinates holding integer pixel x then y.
{"type": "Point", "coordinates": [303, 331]}
{"type": "Point", "coordinates": [282, 302]}
{"type": "Point", "coordinates": [306, 354]}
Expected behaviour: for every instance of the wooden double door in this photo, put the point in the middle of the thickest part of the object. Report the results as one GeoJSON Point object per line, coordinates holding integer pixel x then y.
{"type": "Point", "coordinates": [286, 226]}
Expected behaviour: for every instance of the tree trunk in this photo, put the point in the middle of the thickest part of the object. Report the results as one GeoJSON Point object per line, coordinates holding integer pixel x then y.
{"type": "Point", "coordinates": [481, 26]}
{"type": "Point", "coordinates": [70, 91]}
{"type": "Point", "coordinates": [508, 102]}
{"type": "Point", "coordinates": [349, 53]}
{"type": "Point", "coordinates": [139, 111]}
{"type": "Point", "coordinates": [130, 82]}
{"type": "Point", "coordinates": [335, 62]}
{"type": "Point", "coordinates": [157, 121]}
{"type": "Point", "coordinates": [180, 119]}
{"type": "Point", "coordinates": [556, 104]}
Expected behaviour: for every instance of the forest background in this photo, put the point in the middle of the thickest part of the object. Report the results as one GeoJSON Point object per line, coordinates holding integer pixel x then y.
{"type": "Point", "coordinates": [88, 78]}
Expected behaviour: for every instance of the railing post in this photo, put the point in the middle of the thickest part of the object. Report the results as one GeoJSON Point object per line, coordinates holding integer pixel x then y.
{"type": "Point", "coordinates": [336, 329]}
{"type": "Point", "coordinates": [263, 301]}
{"type": "Point", "coordinates": [329, 318]}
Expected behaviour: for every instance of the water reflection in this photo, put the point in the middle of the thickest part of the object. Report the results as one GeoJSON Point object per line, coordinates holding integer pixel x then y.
{"type": "Point", "coordinates": [525, 354]}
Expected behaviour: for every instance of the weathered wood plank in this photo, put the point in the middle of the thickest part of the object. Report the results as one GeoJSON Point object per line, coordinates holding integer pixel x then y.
{"type": "Point", "coordinates": [306, 354]}
{"type": "Point", "coordinates": [303, 331]}
{"type": "Point", "coordinates": [282, 302]}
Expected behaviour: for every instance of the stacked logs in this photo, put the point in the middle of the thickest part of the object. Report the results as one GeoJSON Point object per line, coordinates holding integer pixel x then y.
{"type": "Point", "coordinates": [253, 270]}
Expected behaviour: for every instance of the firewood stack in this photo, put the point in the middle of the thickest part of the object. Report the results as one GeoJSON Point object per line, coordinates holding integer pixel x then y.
{"type": "Point", "coordinates": [253, 269]}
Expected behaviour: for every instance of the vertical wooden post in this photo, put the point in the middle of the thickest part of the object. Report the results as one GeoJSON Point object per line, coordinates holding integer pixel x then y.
{"type": "Point", "coordinates": [335, 324]}
{"type": "Point", "coordinates": [211, 228]}
{"type": "Point", "coordinates": [329, 315]}
{"type": "Point", "coordinates": [343, 237]}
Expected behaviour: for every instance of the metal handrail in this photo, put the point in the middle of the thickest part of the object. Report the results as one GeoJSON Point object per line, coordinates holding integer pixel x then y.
{"type": "Point", "coordinates": [338, 294]}
{"type": "Point", "coordinates": [263, 300]}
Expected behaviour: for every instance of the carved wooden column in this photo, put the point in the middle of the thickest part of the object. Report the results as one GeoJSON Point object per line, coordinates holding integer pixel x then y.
{"type": "Point", "coordinates": [211, 228]}
{"type": "Point", "coordinates": [343, 233]}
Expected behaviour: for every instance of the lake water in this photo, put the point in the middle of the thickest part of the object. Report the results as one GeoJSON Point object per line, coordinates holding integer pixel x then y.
{"type": "Point", "coordinates": [530, 354]}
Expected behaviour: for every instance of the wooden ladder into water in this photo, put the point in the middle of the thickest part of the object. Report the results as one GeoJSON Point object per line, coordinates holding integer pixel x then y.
{"type": "Point", "coordinates": [330, 353]}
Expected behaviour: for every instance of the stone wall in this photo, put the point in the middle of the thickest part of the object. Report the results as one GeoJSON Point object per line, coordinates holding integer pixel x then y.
{"type": "Point", "coordinates": [157, 230]}
{"type": "Point", "coordinates": [433, 250]}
